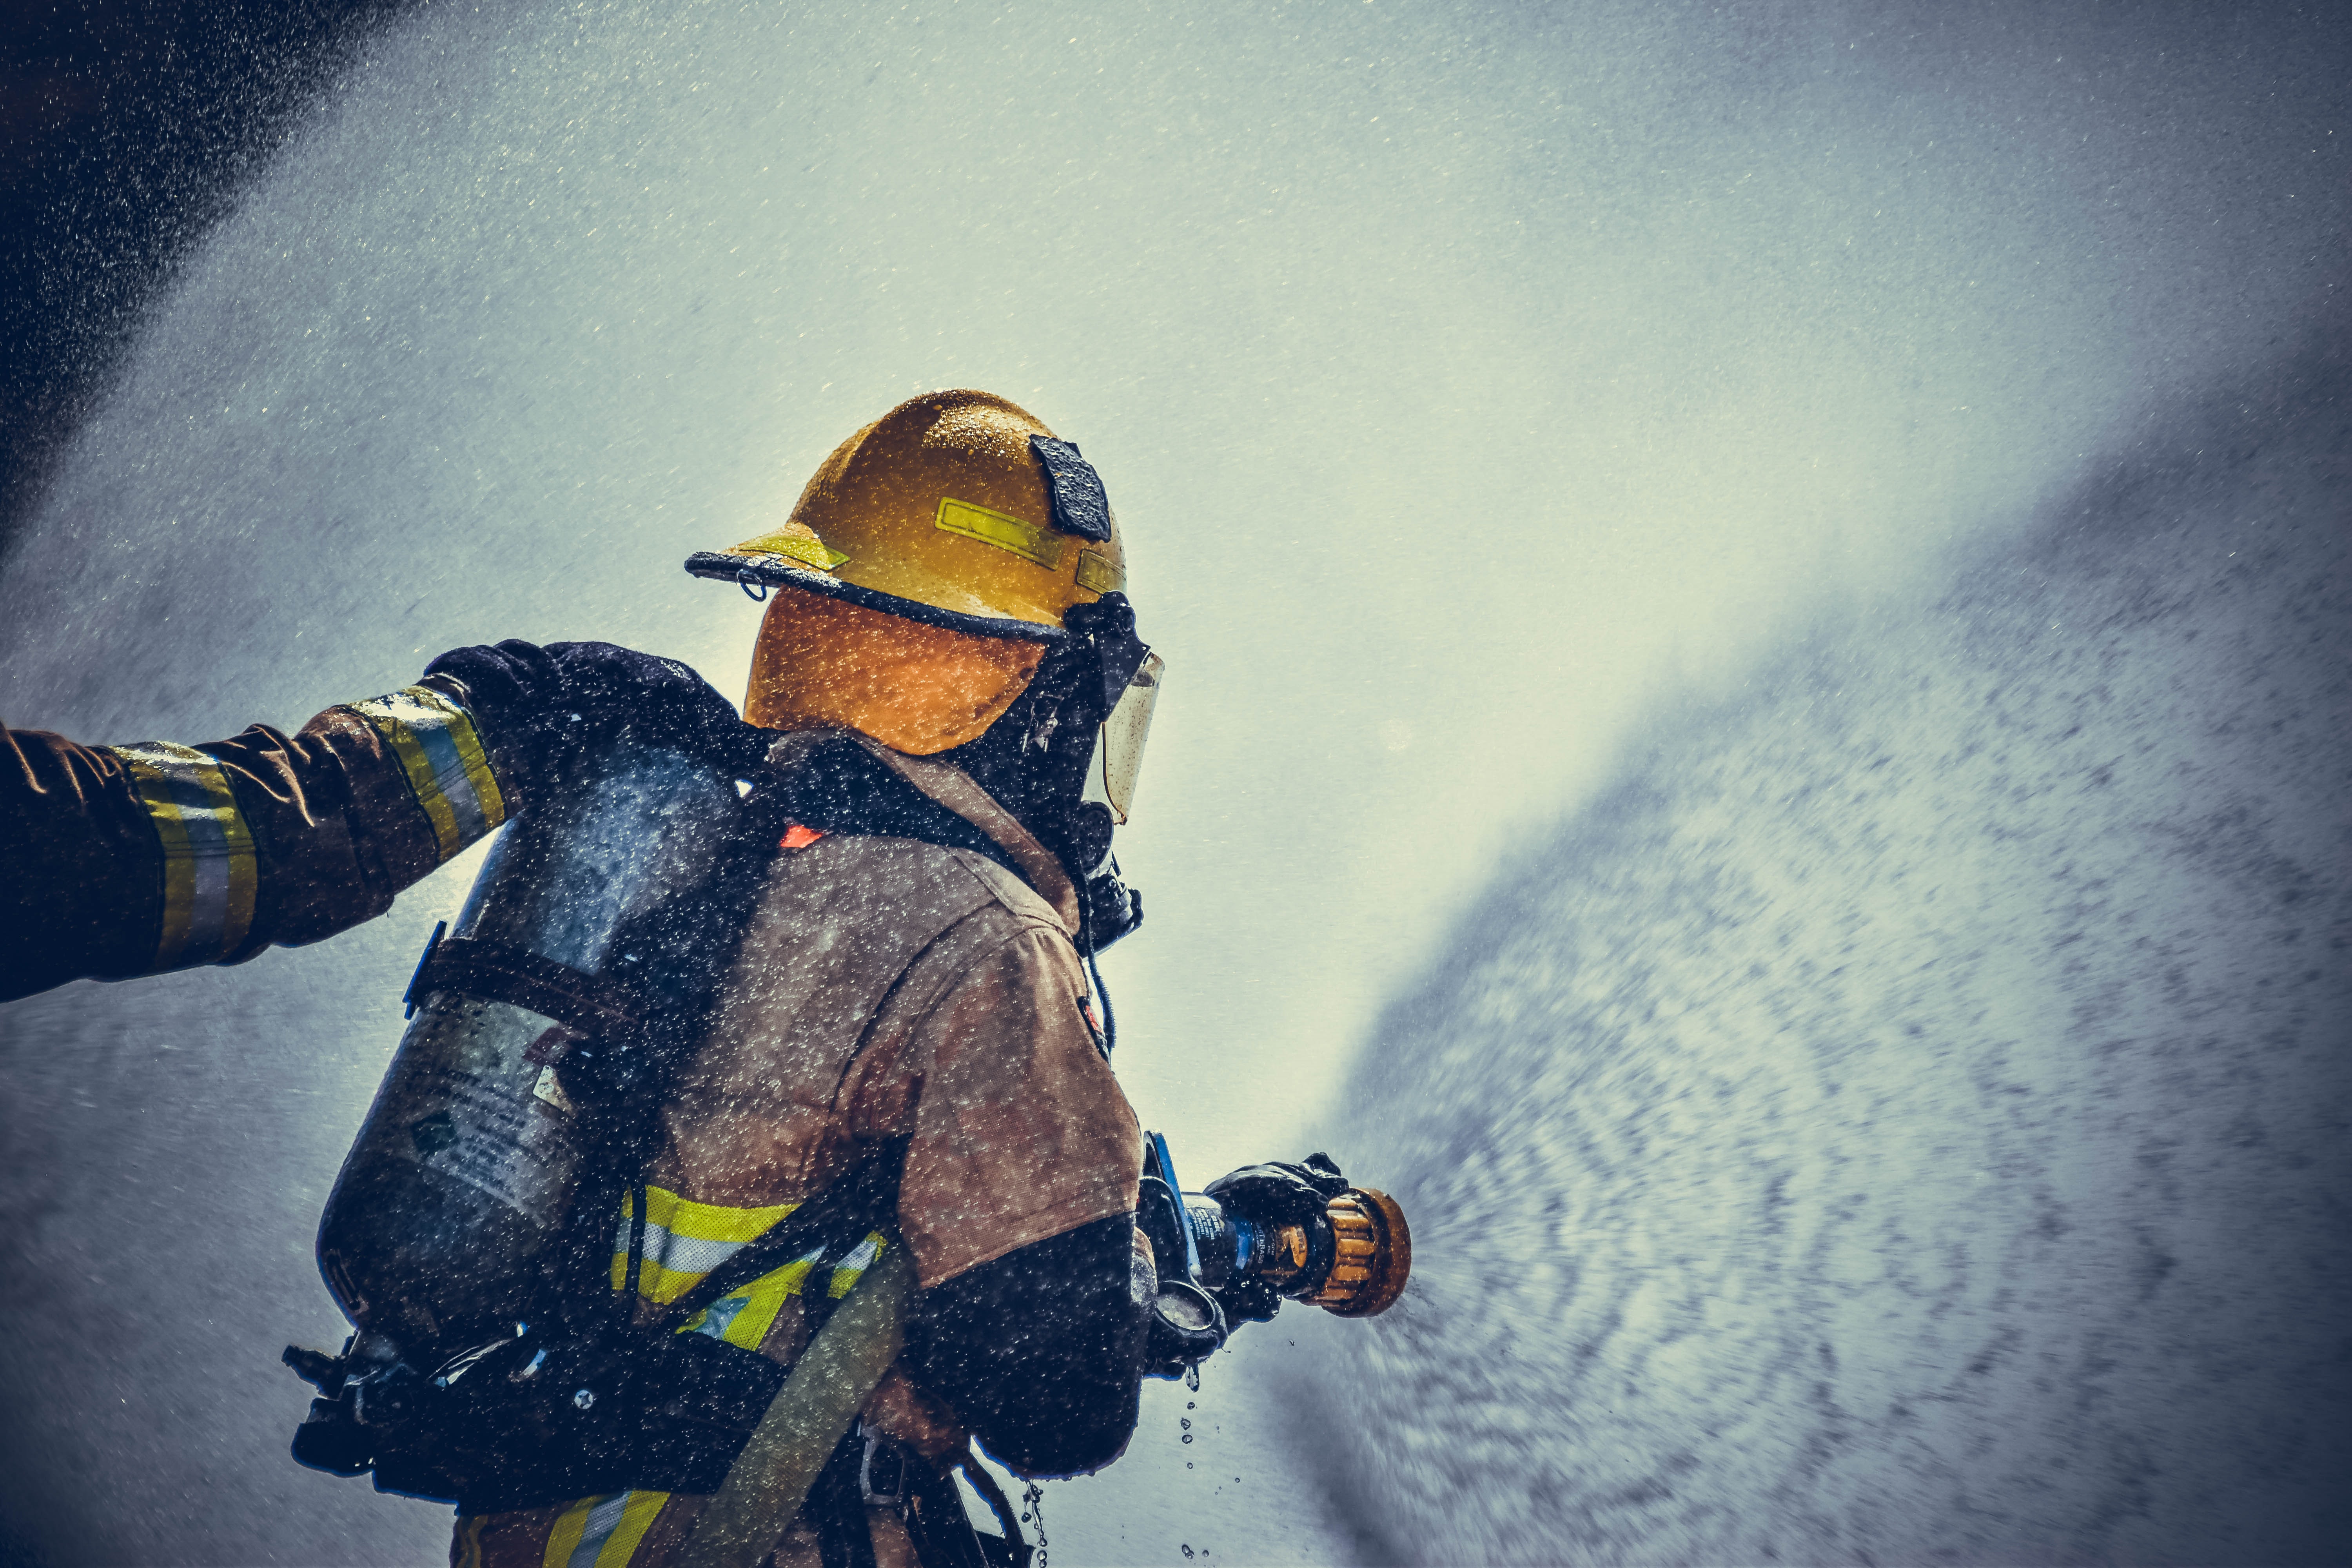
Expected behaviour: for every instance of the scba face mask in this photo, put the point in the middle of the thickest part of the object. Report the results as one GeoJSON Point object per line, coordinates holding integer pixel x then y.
{"type": "Point", "coordinates": [1119, 742]}
{"type": "Point", "coordinates": [1120, 681]}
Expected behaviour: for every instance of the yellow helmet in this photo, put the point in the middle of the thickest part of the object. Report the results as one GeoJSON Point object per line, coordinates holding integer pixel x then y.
{"type": "Point", "coordinates": [956, 509]}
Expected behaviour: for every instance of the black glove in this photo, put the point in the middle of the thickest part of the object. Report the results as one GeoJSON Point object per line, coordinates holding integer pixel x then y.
{"type": "Point", "coordinates": [655, 702]}
{"type": "Point", "coordinates": [545, 707]}
{"type": "Point", "coordinates": [1272, 1194]}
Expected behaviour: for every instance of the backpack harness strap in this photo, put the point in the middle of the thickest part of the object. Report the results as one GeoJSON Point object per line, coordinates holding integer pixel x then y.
{"type": "Point", "coordinates": [494, 971]}
{"type": "Point", "coordinates": [864, 1199]}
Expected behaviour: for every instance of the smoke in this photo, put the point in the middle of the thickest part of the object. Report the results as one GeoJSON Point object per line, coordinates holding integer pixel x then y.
{"type": "Point", "coordinates": [1473, 383]}
{"type": "Point", "coordinates": [1903, 1119]}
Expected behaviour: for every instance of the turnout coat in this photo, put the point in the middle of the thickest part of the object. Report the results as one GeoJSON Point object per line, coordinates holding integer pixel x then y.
{"type": "Point", "coordinates": [886, 989]}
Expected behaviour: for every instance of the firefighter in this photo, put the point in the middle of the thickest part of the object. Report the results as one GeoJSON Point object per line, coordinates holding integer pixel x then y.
{"type": "Point", "coordinates": [945, 620]}
{"type": "Point", "coordinates": [946, 629]}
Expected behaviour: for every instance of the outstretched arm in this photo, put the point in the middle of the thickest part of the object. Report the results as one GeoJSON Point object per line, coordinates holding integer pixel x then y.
{"type": "Point", "coordinates": [124, 860]}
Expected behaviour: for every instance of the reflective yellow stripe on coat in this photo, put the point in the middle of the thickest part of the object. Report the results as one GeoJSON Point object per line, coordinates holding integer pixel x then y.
{"type": "Point", "coordinates": [686, 1240]}
{"type": "Point", "coordinates": [602, 1532]}
{"type": "Point", "coordinates": [442, 754]}
{"type": "Point", "coordinates": [209, 871]}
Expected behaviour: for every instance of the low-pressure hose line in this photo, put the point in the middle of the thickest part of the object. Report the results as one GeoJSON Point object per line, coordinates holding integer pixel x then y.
{"type": "Point", "coordinates": [1094, 973]}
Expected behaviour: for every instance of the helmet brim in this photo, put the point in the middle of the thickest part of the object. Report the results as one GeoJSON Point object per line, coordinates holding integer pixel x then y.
{"type": "Point", "coordinates": [771, 571]}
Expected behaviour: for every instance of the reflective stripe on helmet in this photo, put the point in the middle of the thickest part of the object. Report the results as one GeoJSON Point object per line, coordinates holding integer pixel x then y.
{"type": "Point", "coordinates": [442, 754]}
{"type": "Point", "coordinates": [1013, 536]}
{"type": "Point", "coordinates": [209, 870]}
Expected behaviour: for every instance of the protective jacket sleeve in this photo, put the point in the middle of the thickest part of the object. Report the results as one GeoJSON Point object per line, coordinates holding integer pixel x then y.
{"type": "Point", "coordinates": [133, 860]}
{"type": "Point", "coordinates": [1018, 1201]}
{"type": "Point", "coordinates": [1040, 1352]}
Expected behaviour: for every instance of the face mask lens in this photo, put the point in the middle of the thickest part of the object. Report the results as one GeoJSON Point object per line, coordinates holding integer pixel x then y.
{"type": "Point", "coordinates": [1118, 752]}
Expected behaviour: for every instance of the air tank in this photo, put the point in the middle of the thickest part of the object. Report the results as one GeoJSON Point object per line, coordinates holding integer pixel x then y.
{"type": "Point", "coordinates": [583, 955]}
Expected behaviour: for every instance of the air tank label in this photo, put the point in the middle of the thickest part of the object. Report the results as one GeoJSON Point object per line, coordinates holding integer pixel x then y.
{"type": "Point", "coordinates": [478, 1101]}
{"type": "Point", "coordinates": [550, 1089]}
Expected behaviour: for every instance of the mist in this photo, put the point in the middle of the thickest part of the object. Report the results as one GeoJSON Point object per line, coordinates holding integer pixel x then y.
{"type": "Point", "coordinates": [1935, 1157]}
{"type": "Point", "coordinates": [1478, 388]}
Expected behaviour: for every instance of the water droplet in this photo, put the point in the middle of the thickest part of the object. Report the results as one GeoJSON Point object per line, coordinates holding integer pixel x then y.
{"type": "Point", "coordinates": [1188, 1437]}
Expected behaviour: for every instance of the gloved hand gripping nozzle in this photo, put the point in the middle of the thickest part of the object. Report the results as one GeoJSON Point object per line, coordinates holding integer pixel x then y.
{"type": "Point", "coordinates": [1231, 1252]}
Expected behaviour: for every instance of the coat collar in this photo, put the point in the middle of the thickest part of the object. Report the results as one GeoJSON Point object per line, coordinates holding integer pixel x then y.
{"type": "Point", "coordinates": [950, 787]}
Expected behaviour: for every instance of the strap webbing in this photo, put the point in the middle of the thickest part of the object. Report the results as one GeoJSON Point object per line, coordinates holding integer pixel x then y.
{"type": "Point", "coordinates": [501, 972]}
{"type": "Point", "coordinates": [749, 1514]}
{"type": "Point", "coordinates": [865, 1199]}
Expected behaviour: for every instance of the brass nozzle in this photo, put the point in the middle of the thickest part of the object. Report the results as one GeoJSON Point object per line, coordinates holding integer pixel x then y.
{"type": "Point", "coordinates": [1291, 1251]}
{"type": "Point", "coordinates": [1374, 1255]}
